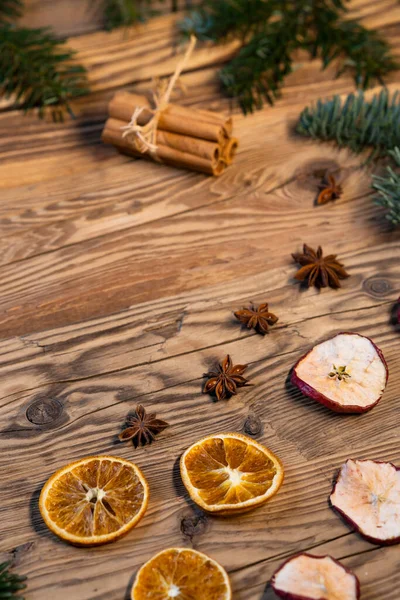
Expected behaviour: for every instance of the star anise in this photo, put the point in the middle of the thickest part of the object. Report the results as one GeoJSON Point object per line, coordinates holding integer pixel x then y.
{"type": "Point", "coordinates": [330, 191]}
{"type": "Point", "coordinates": [256, 318]}
{"type": "Point", "coordinates": [224, 382]}
{"type": "Point", "coordinates": [317, 270]}
{"type": "Point", "coordinates": [141, 427]}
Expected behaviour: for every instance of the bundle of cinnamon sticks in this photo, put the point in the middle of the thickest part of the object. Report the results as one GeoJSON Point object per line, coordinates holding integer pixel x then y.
{"type": "Point", "coordinates": [189, 138]}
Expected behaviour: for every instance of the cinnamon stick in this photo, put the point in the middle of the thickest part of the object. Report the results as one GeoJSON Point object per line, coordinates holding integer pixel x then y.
{"type": "Point", "coordinates": [122, 105]}
{"type": "Point", "coordinates": [113, 134]}
{"type": "Point", "coordinates": [205, 116]}
{"type": "Point", "coordinates": [185, 137]}
{"type": "Point", "coordinates": [229, 150]}
{"type": "Point", "coordinates": [176, 119]}
{"type": "Point", "coordinates": [203, 148]}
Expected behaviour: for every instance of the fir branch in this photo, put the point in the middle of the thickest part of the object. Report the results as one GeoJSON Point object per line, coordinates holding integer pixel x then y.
{"type": "Point", "coordinates": [10, 10]}
{"type": "Point", "coordinates": [38, 71]}
{"type": "Point", "coordinates": [359, 50]}
{"type": "Point", "coordinates": [119, 13]}
{"type": "Point", "coordinates": [355, 123]}
{"type": "Point", "coordinates": [388, 188]}
{"type": "Point", "coordinates": [218, 20]}
{"type": "Point", "coordinates": [123, 13]}
{"type": "Point", "coordinates": [313, 25]}
{"type": "Point", "coordinates": [10, 583]}
{"type": "Point", "coordinates": [256, 73]}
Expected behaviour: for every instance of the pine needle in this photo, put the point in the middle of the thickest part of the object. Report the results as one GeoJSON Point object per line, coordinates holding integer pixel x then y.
{"type": "Point", "coordinates": [218, 20]}
{"type": "Point", "coordinates": [388, 188]}
{"type": "Point", "coordinates": [10, 583]}
{"type": "Point", "coordinates": [246, 77]}
{"type": "Point", "coordinates": [38, 71]}
{"type": "Point", "coordinates": [356, 122]}
{"type": "Point", "coordinates": [123, 13]}
{"type": "Point", "coordinates": [10, 10]}
{"type": "Point", "coordinates": [118, 13]}
{"type": "Point", "coordinates": [271, 30]}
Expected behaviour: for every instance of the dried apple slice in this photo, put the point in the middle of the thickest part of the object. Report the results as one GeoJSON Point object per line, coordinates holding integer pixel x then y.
{"type": "Point", "coordinates": [346, 373]}
{"type": "Point", "coordinates": [308, 577]}
{"type": "Point", "coordinates": [367, 494]}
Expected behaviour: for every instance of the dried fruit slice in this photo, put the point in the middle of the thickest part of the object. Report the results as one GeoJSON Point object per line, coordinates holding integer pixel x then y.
{"type": "Point", "coordinates": [183, 574]}
{"type": "Point", "coordinates": [346, 373]}
{"type": "Point", "coordinates": [230, 473]}
{"type": "Point", "coordinates": [308, 577]}
{"type": "Point", "coordinates": [367, 494]}
{"type": "Point", "coordinates": [95, 500]}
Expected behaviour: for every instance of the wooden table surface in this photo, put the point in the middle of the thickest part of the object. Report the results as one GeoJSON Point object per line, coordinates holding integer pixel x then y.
{"type": "Point", "coordinates": [118, 282]}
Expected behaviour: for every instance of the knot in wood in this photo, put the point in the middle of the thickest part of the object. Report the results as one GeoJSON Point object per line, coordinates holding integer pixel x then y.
{"type": "Point", "coordinates": [18, 553]}
{"type": "Point", "coordinates": [377, 286]}
{"type": "Point", "coordinates": [193, 525]}
{"type": "Point", "coordinates": [252, 425]}
{"type": "Point", "coordinates": [44, 411]}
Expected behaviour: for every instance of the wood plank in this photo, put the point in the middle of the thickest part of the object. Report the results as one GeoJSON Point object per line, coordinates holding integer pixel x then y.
{"type": "Point", "coordinates": [109, 56]}
{"type": "Point", "coordinates": [373, 566]}
{"type": "Point", "coordinates": [71, 148]}
{"type": "Point", "coordinates": [112, 272]}
{"type": "Point", "coordinates": [155, 327]}
{"type": "Point", "coordinates": [166, 379]}
{"type": "Point", "coordinates": [63, 147]}
{"type": "Point", "coordinates": [104, 399]}
{"type": "Point", "coordinates": [108, 571]}
{"type": "Point", "coordinates": [119, 279]}
{"type": "Point", "coordinates": [84, 246]}
{"type": "Point", "coordinates": [155, 332]}
{"type": "Point", "coordinates": [68, 210]}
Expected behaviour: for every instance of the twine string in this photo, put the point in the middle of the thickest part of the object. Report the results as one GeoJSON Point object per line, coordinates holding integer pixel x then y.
{"type": "Point", "coordinates": [145, 136]}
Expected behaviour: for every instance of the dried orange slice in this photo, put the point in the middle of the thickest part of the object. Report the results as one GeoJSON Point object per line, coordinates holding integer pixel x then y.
{"type": "Point", "coordinates": [229, 473]}
{"type": "Point", "coordinates": [95, 500]}
{"type": "Point", "coordinates": [184, 574]}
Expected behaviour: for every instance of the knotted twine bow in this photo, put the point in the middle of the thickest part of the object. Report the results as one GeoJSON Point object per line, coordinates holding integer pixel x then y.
{"type": "Point", "coordinates": [145, 136]}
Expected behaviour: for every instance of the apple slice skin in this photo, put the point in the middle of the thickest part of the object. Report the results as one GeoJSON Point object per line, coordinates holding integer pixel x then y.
{"type": "Point", "coordinates": [311, 392]}
{"type": "Point", "coordinates": [380, 542]}
{"type": "Point", "coordinates": [291, 596]}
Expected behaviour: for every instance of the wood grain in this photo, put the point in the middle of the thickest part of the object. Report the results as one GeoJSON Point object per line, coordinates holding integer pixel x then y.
{"type": "Point", "coordinates": [118, 283]}
{"type": "Point", "coordinates": [65, 17]}
{"type": "Point", "coordinates": [130, 233]}
{"type": "Point", "coordinates": [75, 17]}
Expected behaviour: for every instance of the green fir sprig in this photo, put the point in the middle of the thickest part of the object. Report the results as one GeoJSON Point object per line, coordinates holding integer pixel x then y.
{"type": "Point", "coordinates": [218, 20]}
{"type": "Point", "coordinates": [246, 78]}
{"type": "Point", "coordinates": [271, 30]}
{"type": "Point", "coordinates": [388, 189]}
{"type": "Point", "coordinates": [361, 124]}
{"type": "Point", "coordinates": [36, 69]}
{"type": "Point", "coordinates": [123, 13]}
{"type": "Point", "coordinates": [356, 122]}
{"type": "Point", "coordinates": [10, 10]}
{"type": "Point", "coordinates": [10, 583]}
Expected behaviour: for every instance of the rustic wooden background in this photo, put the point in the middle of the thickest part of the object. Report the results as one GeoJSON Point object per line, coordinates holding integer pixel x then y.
{"type": "Point", "coordinates": [118, 282]}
